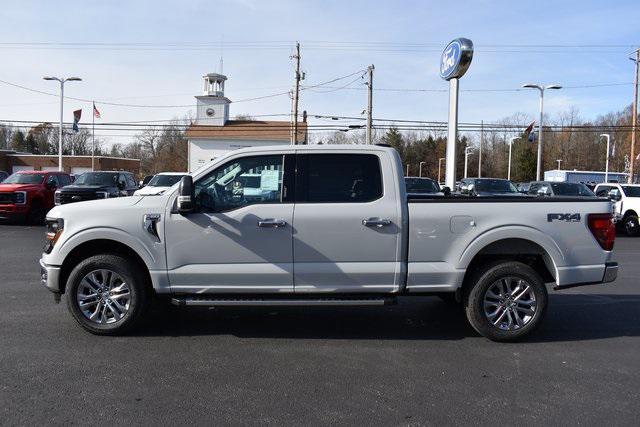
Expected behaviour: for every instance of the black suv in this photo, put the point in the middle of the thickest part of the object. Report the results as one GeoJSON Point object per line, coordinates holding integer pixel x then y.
{"type": "Point", "coordinates": [97, 185]}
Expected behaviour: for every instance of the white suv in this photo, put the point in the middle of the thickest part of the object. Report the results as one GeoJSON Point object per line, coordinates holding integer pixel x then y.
{"type": "Point", "coordinates": [626, 201]}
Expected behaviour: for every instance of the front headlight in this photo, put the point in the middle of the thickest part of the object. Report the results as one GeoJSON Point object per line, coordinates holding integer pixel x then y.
{"type": "Point", "coordinates": [102, 194]}
{"type": "Point", "coordinates": [54, 227]}
{"type": "Point", "coordinates": [20, 197]}
{"type": "Point", "coordinates": [56, 198]}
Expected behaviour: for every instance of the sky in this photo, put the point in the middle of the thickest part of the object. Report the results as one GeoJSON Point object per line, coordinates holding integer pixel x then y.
{"type": "Point", "coordinates": [154, 53]}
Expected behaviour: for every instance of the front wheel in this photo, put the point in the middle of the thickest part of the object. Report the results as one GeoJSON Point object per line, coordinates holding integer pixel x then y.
{"type": "Point", "coordinates": [107, 294]}
{"type": "Point", "coordinates": [507, 301]}
{"type": "Point", "coordinates": [631, 226]}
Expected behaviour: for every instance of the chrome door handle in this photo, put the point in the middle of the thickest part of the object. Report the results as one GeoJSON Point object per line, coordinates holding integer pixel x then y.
{"type": "Point", "coordinates": [272, 223]}
{"type": "Point", "coordinates": [376, 222]}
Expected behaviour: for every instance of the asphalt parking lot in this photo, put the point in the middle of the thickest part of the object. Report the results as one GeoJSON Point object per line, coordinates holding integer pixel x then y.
{"type": "Point", "coordinates": [412, 364]}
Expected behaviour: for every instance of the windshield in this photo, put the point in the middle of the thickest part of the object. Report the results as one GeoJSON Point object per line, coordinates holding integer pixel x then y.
{"type": "Point", "coordinates": [164, 180]}
{"type": "Point", "coordinates": [571, 189]}
{"type": "Point", "coordinates": [24, 178]}
{"type": "Point", "coordinates": [92, 178]}
{"type": "Point", "coordinates": [421, 185]}
{"type": "Point", "coordinates": [494, 186]}
{"type": "Point", "coordinates": [629, 190]}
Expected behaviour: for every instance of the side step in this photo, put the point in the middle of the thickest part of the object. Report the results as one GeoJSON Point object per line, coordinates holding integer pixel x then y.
{"type": "Point", "coordinates": [204, 301]}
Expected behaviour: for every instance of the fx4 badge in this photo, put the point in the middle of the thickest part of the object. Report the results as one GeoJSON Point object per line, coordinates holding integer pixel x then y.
{"type": "Point", "coordinates": [566, 217]}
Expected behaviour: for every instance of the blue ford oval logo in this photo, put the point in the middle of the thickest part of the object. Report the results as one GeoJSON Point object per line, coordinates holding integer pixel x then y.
{"type": "Point", "coordinates": [450, 59]}
{"type": "Point", "coordinates": [456, 58]}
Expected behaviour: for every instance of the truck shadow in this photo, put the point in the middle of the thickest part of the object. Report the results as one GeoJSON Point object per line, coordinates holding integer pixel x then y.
{"type": "Point", "coordinates": [571, 317]}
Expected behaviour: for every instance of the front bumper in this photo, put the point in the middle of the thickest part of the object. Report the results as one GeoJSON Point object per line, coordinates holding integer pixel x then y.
{"type": "Point", "coordinates": [13, 211]}
{"type": "Point", "coordinates": [609, 274]}
{"type": "Point", "coordinates": [50, 277]}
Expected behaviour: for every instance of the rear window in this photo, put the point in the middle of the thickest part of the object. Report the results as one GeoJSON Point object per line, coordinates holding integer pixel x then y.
{"type": "Point", "coordinates": [571, 189]}
{"type": "Point", "coordinates": [341, 178]}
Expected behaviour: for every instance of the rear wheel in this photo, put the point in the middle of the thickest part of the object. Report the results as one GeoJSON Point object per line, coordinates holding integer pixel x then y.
{"type": "Point", "coordinates": [507, 301]}
{"type": "Point", "coordinates": [107, 294]}
{"type": "Point", "coordinates": [631, 225]}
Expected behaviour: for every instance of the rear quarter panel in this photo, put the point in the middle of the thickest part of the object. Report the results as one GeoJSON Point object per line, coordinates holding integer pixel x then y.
{"type": "Point", "coordinates": [444, 237]}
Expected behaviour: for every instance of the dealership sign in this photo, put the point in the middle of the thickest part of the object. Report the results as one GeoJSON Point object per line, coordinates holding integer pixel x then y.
{"type": "Point", "coordinates": [456, 59]}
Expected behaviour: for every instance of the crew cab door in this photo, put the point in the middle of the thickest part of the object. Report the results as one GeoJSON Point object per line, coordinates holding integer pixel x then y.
{"type": "Point", "coordinates": [239, 240]}
{"type": "Point", "coordinates": [347, 224]}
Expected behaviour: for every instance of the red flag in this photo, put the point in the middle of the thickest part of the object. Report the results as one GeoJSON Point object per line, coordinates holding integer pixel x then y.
{"type": "Point", "coordinates": [96, 113]}
{"type": "Point", "coordinates": [529, 128]}
{"type": "Point", "coordinates": [76, 119]}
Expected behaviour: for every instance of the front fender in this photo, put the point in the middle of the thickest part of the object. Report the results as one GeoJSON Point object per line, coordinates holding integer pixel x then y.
{"type": "Point", "coordinates": [59, 254]}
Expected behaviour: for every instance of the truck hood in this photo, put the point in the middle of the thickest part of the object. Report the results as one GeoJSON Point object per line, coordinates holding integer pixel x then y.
{"type": "Point", "coordinates": [80, 188]}
{"type": "Point", "coordinates": [5, 188]}
{"type": "Point", "coordinates": [150, 191]}
{"type": "Point", "coordinates": [99, 207]}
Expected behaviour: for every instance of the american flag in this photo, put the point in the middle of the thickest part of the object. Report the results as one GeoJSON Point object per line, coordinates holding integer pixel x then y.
{"type": "Point", "coordinates": [96, 113]}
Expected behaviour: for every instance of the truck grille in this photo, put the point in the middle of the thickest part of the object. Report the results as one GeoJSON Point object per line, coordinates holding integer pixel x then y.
{"type": "Point", "coordinates": [69, 197]}
{"type": "Point", "coordinates": [6, 198]}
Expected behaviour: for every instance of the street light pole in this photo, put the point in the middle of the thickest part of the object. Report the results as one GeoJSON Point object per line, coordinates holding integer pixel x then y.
{"type": "Point", "coordinates": [440, 168]}
{"type": "Point", "coordinates": [62, 81]}
{"type": "Point", "coordinates": [467, 151]}
{"type": "Point", "coordinates": [559, 161]}
{"type": "Point", "coordinates": [509, 165]}
{"type": "Point", "coordinates": [420, 172]}
{"type": "Point", "coordinates": [606, 167]}
{"type": "Point", "coordinates": [540, 88]}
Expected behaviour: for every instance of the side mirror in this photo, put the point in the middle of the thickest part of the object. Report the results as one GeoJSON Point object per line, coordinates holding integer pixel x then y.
{"type": "Point", "coordinates": [121, 185]}
{"type": "Point", "coordinates": [615, 195]}
{"type": "Point", "coordinates": [140, 184]}
{"type": "Point", "coordinates": [186, 196]}
{"type": "Point", "coordinates": [470, 189]}
{"type": "Point", "coordinates": [446, 191]}
{"type": "Point", "coordinates": [50, 185]}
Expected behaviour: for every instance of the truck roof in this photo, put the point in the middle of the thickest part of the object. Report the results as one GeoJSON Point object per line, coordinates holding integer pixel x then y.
{"type": "Point", "coordinates": [316, 147]}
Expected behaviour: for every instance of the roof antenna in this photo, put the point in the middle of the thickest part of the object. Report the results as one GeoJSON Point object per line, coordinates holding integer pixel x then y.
{"type": "Point", "coordinates": [222, 54]}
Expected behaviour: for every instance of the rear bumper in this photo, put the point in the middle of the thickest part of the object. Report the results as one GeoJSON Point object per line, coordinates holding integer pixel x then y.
{"type": "Point", "coordinates": [50, 277]}
{"type": "Point", "coordinates": [594, 276]}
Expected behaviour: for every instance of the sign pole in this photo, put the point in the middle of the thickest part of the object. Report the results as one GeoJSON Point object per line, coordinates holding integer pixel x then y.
{"type": "Point", "coordinates": [452, 135]}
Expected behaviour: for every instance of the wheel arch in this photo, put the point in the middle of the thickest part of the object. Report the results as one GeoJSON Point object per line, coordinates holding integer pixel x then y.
{"type": "Point", "coordinates": [93, 247]}
{"type": "Point", "coordinates": [532, 248]}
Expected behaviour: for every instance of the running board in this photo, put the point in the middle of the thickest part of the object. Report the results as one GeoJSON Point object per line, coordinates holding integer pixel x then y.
{"type": "Point", "coordinates": [282, 302]}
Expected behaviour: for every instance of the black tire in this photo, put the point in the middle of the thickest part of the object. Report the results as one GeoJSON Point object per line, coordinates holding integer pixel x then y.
{"type": "Point", "coordinates": [139, 293]}
{"type": "Point", "coordinates": [487, 279]}
{"type": "Point", "coordinates": [36, 213]}
{"type": "Point", "coordinates": [631, 226]}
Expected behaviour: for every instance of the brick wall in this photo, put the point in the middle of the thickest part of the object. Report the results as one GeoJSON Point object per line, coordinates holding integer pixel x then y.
{"type": "Point", "coordinates": [68, 162]}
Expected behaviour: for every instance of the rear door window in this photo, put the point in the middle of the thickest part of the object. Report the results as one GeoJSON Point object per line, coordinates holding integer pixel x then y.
{"type": "Point", "coordinates": [339, 178]}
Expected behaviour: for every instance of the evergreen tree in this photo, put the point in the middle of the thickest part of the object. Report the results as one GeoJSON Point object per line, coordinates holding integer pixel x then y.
{"type": "Point", "coordinates": [17, 141]}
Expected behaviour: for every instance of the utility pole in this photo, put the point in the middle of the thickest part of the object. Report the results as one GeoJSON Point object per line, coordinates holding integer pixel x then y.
{"type": "Point", "coordinates": [467, 151]}
{"type": "Point", "coordinates": [634, 116]}
{"type": "Point", "coordinates": [407, 174]}
{"type": "Point", "coordinates": [370, 69]}
{"type": "Point", "coordinates": [296, 95]}
{"type": "Point", "coordinates": [480, 149]}
{"type": "Point", "coordinates": [420, 173]}
{"type": "Point", "coordinates": [606, 165]}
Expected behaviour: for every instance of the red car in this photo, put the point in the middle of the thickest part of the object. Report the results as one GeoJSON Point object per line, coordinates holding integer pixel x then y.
{"type": "Point", "coordinates": [28, 195]}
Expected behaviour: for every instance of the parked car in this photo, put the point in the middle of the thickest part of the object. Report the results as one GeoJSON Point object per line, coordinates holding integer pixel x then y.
{"type": "Point", "coordinates": [522, 187]}
{"type": "Point", "coordinates": [418, 185]}
{"type": "Point", "coordinates": [626, 202]}
{"type": "Point", "coordinates": [355, 239]}
{"type": "Point", "coordinates": [144, 181]}
{"type": "Point", "coordinates": [558, 189]}
{"type": "Point", "coordinates": [97, 185]}
{"type": "Point", "coordinates": [3, 175]}
{"type": "Point", "coordinates": [159, 183]}
{"type": "Point", "coordinates": [486, 187]}
{"type": "Point", "coordinates": [28, 195]}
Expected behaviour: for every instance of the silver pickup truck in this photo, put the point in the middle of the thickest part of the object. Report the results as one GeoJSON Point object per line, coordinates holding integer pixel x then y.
{"type": "Point", "coordinates": [322, 226]}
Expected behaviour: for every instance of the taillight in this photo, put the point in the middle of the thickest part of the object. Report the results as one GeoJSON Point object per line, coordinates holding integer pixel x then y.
{"type": "Point", "coordinates": [603, 229]}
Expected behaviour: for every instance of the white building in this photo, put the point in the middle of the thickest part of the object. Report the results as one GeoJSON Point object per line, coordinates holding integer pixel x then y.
{"type": "Point", "coordinates": [213, 134]}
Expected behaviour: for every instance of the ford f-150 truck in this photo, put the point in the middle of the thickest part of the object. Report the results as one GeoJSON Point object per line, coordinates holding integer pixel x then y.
{"type": "Point", "coordinates": [325, 225]}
